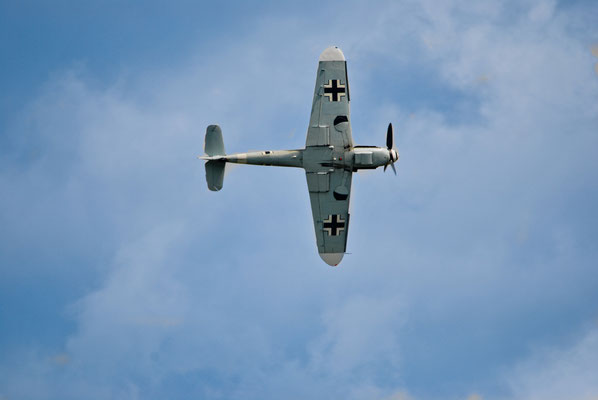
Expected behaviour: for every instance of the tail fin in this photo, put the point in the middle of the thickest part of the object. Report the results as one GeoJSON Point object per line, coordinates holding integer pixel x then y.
{"type": "Point", "coordinates": [214, 149]}
{"type": "Point", "coordinates": [213, 144]}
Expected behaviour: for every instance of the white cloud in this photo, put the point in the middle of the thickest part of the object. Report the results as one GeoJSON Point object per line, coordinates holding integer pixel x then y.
{"type": "Point", "coordinates": [568, 372]}
{"type": "Point", "coordinates": [360, 337]}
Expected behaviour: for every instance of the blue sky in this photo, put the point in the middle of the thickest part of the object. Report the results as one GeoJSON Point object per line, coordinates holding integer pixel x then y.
{"type": "Point", "coordinates": [472, 274]}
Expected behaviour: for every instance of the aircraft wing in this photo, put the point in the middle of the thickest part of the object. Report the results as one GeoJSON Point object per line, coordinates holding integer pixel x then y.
{"type": "Point", "coordinates": [329, 124]}
{"type": "Point", "coordinates": [329, 194]}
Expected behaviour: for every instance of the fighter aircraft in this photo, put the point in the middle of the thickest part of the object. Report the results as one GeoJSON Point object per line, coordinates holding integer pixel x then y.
{"type": "Point", "coordinates": [329, 157]}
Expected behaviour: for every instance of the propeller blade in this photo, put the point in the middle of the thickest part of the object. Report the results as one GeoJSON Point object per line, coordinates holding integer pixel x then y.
{"type": "Point", "coordinates": [390, 138]}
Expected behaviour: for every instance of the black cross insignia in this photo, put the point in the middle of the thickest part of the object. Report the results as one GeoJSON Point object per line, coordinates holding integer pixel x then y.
{"type": "Point", "coordinates": [334, 90]}
{"type": "Point", "coordinates": [333, 225]}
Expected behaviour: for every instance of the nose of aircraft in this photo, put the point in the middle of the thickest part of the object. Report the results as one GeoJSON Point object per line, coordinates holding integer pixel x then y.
{"type": "Point", "coordinates": [332, 53]}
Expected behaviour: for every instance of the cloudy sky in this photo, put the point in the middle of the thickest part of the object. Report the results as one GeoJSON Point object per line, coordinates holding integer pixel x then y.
{"type": "Point", "coordinates": [472, 274]}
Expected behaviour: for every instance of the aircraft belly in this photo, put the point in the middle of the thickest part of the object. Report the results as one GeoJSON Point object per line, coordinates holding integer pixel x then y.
{"type": "Point", "coordinates": [317, 158]}
{"type": "Point", "coordinates": [329, 157]}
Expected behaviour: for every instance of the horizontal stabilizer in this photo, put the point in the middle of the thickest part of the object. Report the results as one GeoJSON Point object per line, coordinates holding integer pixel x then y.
{"type": "Point", "coordinates": [215, 174]}
{"type": "Point", "coordinates": [214, 144]}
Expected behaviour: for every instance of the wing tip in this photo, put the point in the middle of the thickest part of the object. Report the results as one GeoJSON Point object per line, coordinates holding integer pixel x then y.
{"type": "Point", "coordinates": [332, 53]}
{"type": "Point", "coordinates": [332, 259]}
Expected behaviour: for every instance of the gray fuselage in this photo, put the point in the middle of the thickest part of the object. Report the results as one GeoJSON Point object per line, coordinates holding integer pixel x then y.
{"type": "Point", "coordinates": [316, 158]}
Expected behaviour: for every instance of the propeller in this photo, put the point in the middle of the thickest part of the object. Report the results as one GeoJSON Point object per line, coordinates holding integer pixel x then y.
{"type": "Point", "coordinates": [394, 154]}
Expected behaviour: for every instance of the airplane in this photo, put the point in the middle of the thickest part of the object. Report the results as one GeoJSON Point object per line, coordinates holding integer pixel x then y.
{"type": "Point", "coordinates": [329, 157]}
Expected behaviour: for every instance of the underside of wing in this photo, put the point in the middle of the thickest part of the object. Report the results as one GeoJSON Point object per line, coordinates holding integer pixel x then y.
{"type": "Point", "coordinates": [329, 194]}
{"type": "Point", "coordinates": [329, 124]}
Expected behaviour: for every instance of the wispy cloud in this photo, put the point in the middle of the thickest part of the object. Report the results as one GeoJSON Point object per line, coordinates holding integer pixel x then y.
{"type": "Point", "coordinates": [565, 372]}
{"type": "Point", "coordinates": [477, 253]}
